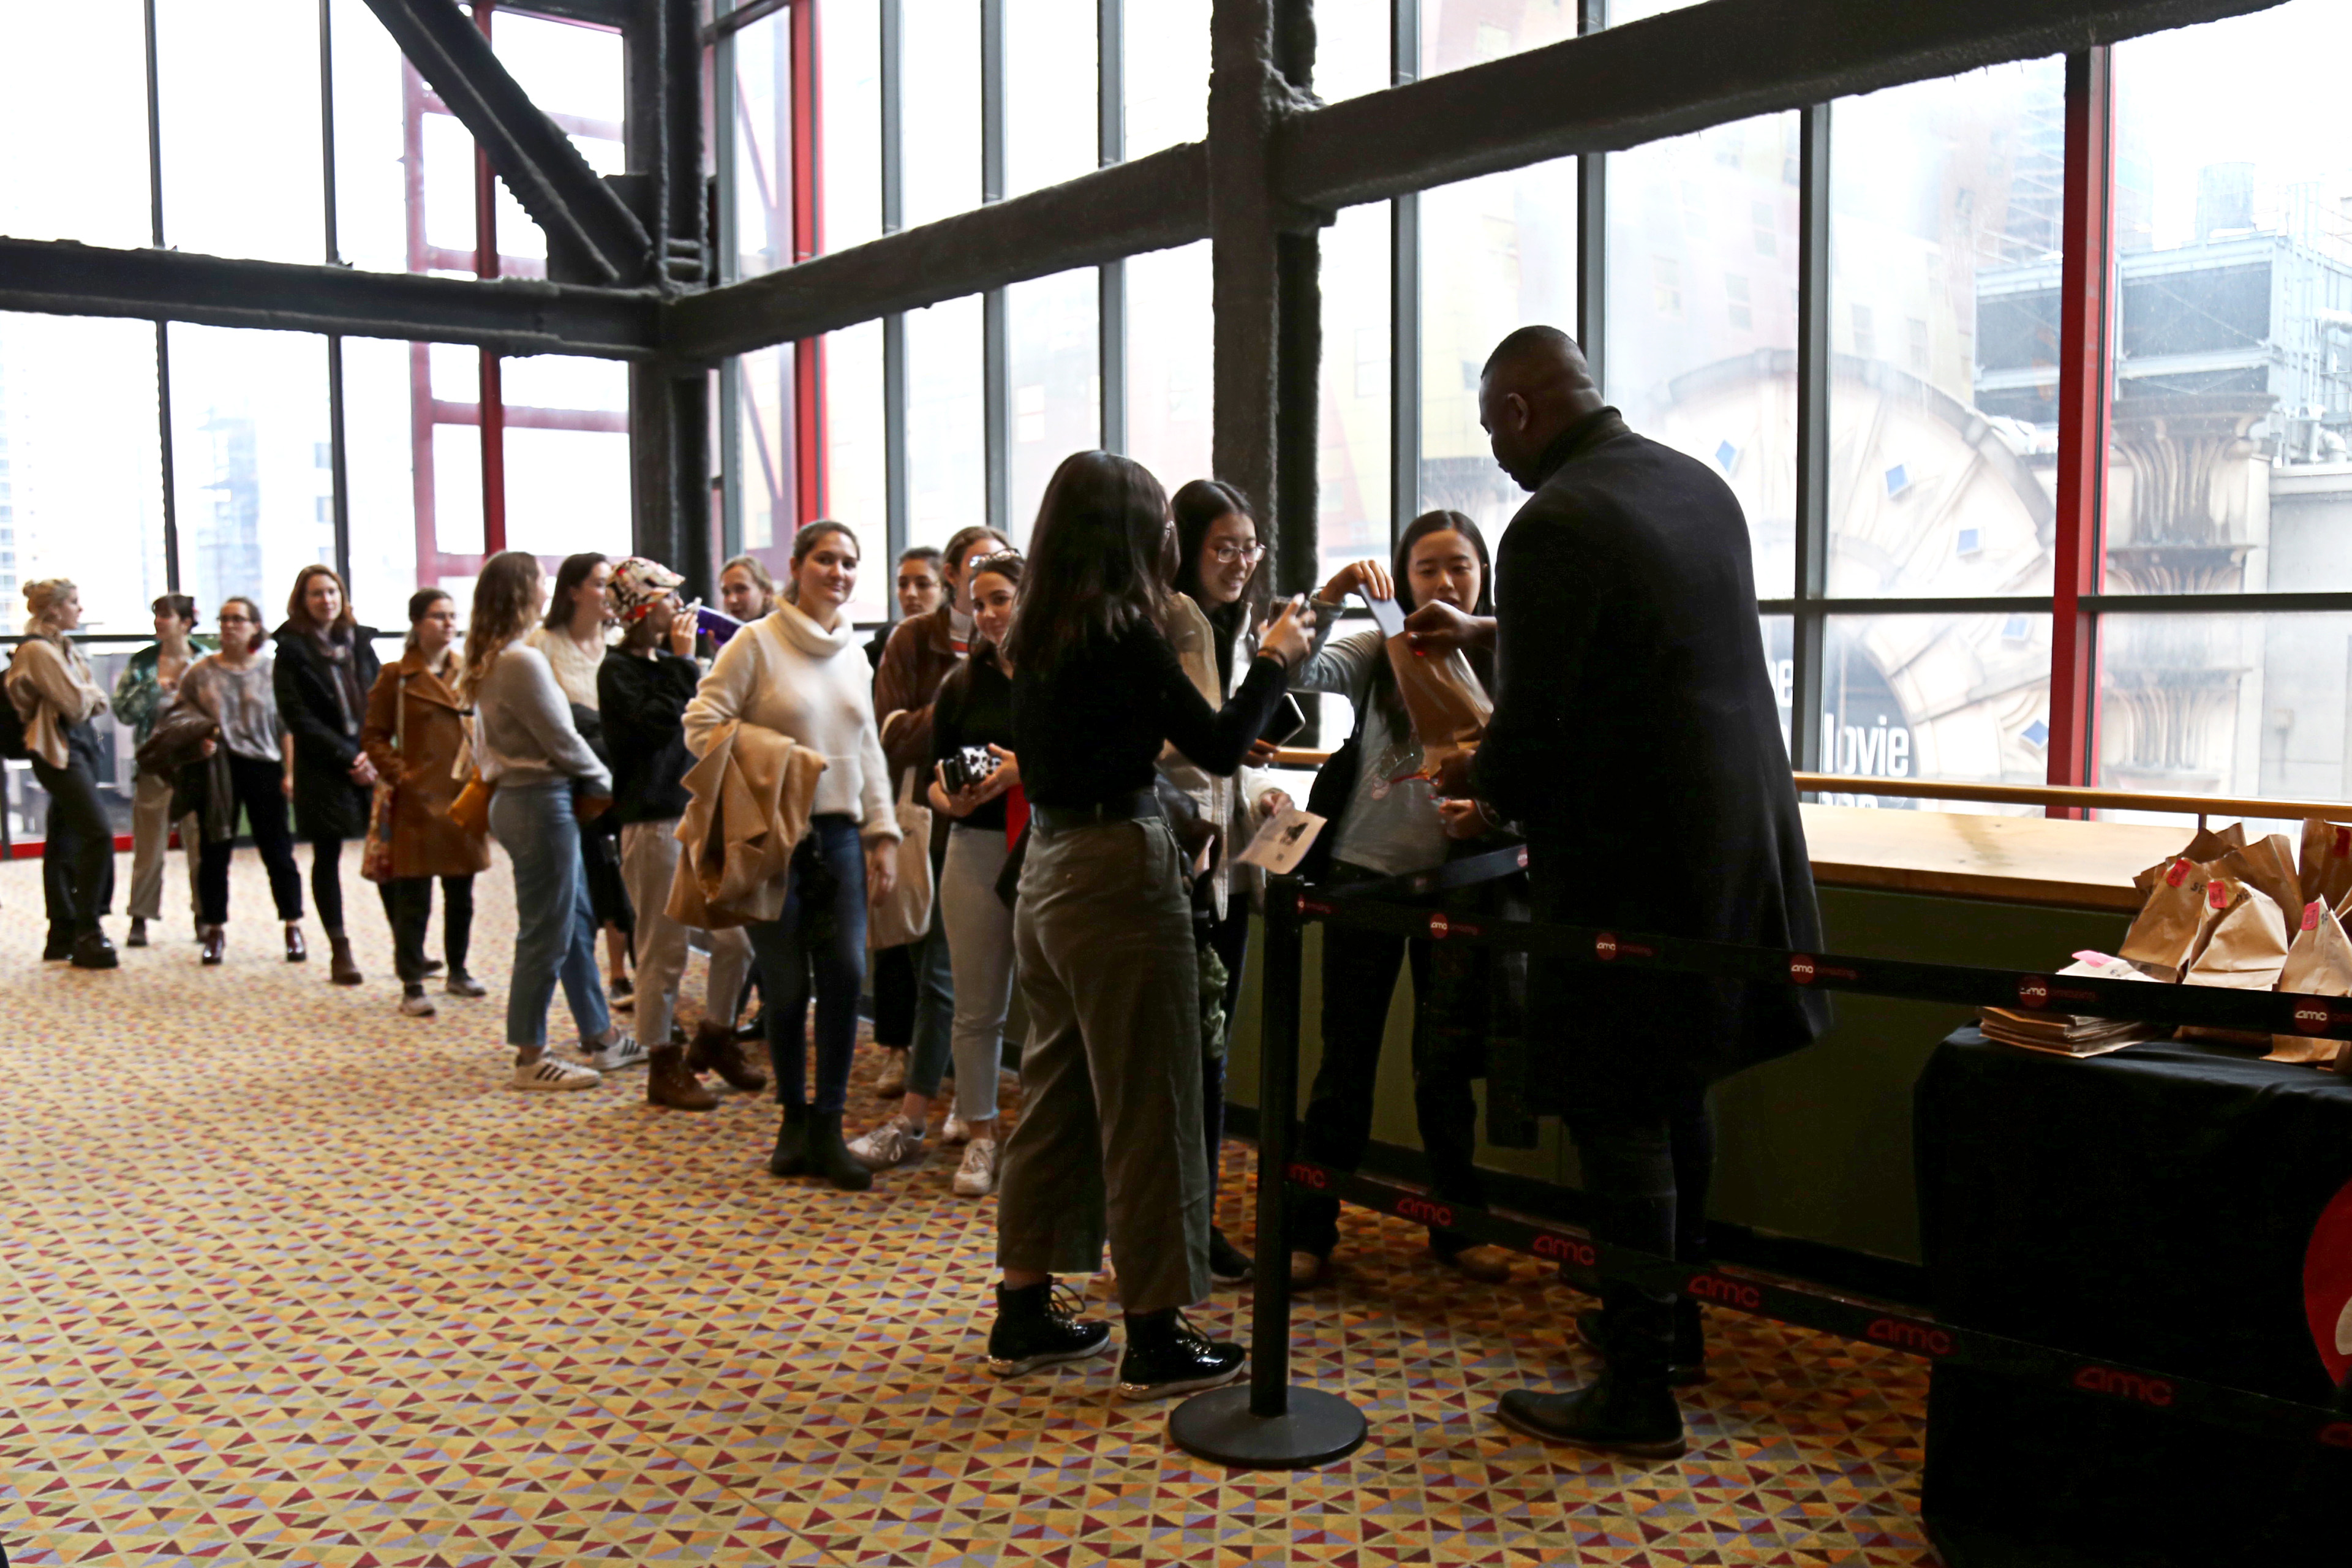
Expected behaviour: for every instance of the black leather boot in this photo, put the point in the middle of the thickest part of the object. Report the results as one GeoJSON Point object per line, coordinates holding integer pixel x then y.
{"type": "Point", "coordinates": [1686, 1365]}
{"type": "Point", "coordinates": [791, 1156]}
{"type": "Point", "coordinates": [1615, 1414]}
{"type": "Point", "coordinates": [1033, 1329]}
{"type": "Point", "coordinates": [829, 1157]}
{"type": "Point", "coordinates": [1167, 1355]}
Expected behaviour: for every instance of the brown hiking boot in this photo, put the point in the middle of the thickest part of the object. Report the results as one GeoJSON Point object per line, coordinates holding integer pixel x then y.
{"type": "Point", "coordinates": [715, 1049]}
{"type": "Point", "coordinates": [669, 1081]}
{"type": "Point", "coordinates": [342, 968]}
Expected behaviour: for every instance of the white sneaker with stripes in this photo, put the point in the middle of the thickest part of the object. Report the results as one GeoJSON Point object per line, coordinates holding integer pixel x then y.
{"type": "Point", "coordinates": [554, 1073]}
{"type": "Point", "coordinates": [623, 1052]}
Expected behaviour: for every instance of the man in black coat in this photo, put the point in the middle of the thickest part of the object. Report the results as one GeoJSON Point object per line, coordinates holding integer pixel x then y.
{"type": "Point", "coordinates": [1636, 737]}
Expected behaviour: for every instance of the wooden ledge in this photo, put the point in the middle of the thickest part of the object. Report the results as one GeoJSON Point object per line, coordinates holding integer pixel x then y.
{"type": "Point", "coordinates": [2014, 860]}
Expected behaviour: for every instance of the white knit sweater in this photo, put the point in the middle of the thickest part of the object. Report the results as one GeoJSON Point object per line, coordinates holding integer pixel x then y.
{"type": "Point", "coordinates": [785, 672]}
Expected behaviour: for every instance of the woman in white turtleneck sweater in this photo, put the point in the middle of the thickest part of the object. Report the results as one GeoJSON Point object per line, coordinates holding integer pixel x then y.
{"type": "Point", "coordinates": [800, 672]}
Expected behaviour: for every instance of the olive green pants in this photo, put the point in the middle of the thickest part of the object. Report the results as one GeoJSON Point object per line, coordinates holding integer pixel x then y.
{"type": "Point", "coordinates": [1109, 1140]}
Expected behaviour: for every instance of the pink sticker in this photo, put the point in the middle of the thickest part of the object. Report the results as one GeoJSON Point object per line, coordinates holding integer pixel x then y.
{"type": "Point", "coordinates": [2178, 874]}
{"type": "Point", "coordinates": [2311, 913]}
{"type": "Point", "coordinates": [2216, 894]}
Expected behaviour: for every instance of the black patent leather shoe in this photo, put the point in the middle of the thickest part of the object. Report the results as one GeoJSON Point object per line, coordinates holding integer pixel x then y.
{"type": "Point", "coordinates": [1608, 1416]}
{"type": "Point", "coordinates": [92, 951]}
{"type": "Point", "coordinates": [1166, 1355]}
{"type": "Point", "coordinates": [1038, 1326]}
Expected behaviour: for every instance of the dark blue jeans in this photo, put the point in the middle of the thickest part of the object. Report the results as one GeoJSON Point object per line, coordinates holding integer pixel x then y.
{"type": "Point", "coordinates": [816, 945]}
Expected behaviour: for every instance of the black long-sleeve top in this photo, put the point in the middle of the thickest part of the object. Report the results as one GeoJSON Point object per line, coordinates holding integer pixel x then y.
{"type": "Point", "coordinates": [1090, 729]}
{"type": "Point", "coordinates": [975, 708]}
{"type": "Point", "coordinates": [643, 703]}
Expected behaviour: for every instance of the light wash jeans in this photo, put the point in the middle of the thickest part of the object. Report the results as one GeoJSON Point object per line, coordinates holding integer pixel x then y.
{"type": "Point", "coordinates": [555, 933]}
{"type": "Point", "coordinates": [979, 941]}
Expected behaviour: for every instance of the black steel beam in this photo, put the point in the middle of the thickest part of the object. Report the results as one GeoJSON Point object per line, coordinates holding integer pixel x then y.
{"type": "Point", "coordinates": [602, 12]}
{"type": "Point", "coordinates": [1679, 72]}
{"type": "Point", "coordinates": [509, 316]}
{"type": "Point", "coordinates": [1151, 203]}
{"type": "Point", "coordinates": [590, 230]}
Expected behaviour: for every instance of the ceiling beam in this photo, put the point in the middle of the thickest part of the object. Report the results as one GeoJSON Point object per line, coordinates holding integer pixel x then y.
{"type": "Point", "coordinates": [1150, 203]}
{"type": "Point", "coordinates": [1681, 71]}
{"type": "Point", "coordinates": [591, 232]}
{"type": "Point", "coordinates": [511, 316]}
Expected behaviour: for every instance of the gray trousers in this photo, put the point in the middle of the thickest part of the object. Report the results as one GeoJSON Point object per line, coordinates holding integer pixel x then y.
{"type": "Point", "coordinates": [979, 948]}
{"type": "Point", "coordinates": [151, 838]}
{"type": "Point", "coordinates": [649, 856]}
{"type": "Point", "coordinates": [1109, 1141]}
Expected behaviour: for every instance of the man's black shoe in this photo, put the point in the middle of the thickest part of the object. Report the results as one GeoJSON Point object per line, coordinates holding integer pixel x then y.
{"type": "Point", "coordinates": [1167, 1355]}
{"type": "Point", "coordinates": [1608, 1416]}
{"type": "Point", "coordinates": [1228, 1264]}
{"type": "Point", "coordinates": [1038, 1326]}
{"type": "Point", "coordinates": [59, 946]}
{"type": "Point", "coordinates": [1688, 1364]}
{"type": "Point", "coordinates": [92, 951]}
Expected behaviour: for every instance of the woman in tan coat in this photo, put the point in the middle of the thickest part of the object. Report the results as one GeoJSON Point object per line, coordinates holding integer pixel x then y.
{"type": "Point", "coordinates": [414, 731]}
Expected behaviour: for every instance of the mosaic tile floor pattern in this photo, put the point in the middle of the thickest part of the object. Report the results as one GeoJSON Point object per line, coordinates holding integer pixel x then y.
{"type": "Point", "coordinates": [289, 1278]}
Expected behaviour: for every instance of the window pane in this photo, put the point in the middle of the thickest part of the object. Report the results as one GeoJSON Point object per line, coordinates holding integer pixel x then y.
{"type": "Point", "coordinates": [1352, 455]}
{"type": "Point", "coordinates": [81, 485]}
{"type": "Point", "coordinates": [1497, 254]}
{"type": "Point", "coordinates": [1050, 133]}
{"type": "Point", "coordinates": [77, 137]}
{"type": "Point", "coordinates": [1702, 350]}
{"type": "Point", "coordinates": [371, 170]}
{"type": "Point", "coordinates": [239, 100]}
{"type": "Point", "coordinates": [1937, 696]}
{"type": "Point", "coordinates": [252, 475]}
{"type": "Point", "coordinates": [946, 477]}
{"type": "Point", "coordinates": [2248, 705]}
{"type": "Point", "coordinates": [1056, 383]}
{"type": "Point", "coordinates": [764, 419]}
{"type": "Point", "coordinates": [1169, 372]}
{"type": "Point", "coordinates": [1934, 487]}
{"type": "Point", "coordinates": [762, 190]}
{"type": "Point", "coordinates": [939, 109]}
{"type": "Point", "coordinates": [849, 74]}
{"type": "Point", "coordinates": [1779, 646]}
{"type": "Point", "coordinates": [573, 73]}
{"type": "Point", "coordinates": [853, 467]}
{"type": "Point", "coordinates": [380, 457]}
{"type": "Point", "coordinates": [2232, 420]}
{"type": "Point", "coordinates": [1458, 33]}
{"type": "Point", "coordinates": [1352, 47]}
{"type": "Point", "coordinates": [1167, 60]}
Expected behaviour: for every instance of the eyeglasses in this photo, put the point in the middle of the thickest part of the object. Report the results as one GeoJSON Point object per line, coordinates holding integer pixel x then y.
{"type": "Point", "coordinates": [237, 620]}
{"type": "Point", "coordinates": [1231, 554]}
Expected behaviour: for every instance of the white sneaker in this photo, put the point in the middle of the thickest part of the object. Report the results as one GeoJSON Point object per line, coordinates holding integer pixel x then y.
{"type": "Point", "coordinates": [553, 1073]}
{"type": "Point", "coordinates": [623, 1052]}
{"type": "Point", "coordinates": [976, 1177]}
{"type": "Point", "coordinates": [955, 1129]}
{"type": "Point", "coordinates": [894, 1143]}
{"type": "Point", "coordinates": [416, 1005]}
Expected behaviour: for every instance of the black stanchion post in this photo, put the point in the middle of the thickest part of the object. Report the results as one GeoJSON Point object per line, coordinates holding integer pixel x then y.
{"type": "Point", "coordinates": [1268, 1423]}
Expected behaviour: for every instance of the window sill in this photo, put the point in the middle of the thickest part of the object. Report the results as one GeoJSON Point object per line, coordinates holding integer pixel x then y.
{"type": "Point", "coordinates": [2010, 859]}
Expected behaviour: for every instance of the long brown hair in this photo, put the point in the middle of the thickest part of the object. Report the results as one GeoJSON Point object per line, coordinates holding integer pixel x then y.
{"type": "Point", "coordinates": [502, 605]}
{"type": "Point", "coordinates": [1100, 559]}
{"type": "Point", "coordinates": [1009, 565]}
{"type": "Point", "coordinates": [298, 612]}
{"type": "Point", "coordinates": [807, 540]}
{"type": "Point", "coordinates": [1482, 660]}
{"type": "Point", "coordinates": [569, 578]}
{"type": "Point", "coordinates": [1196, 505]}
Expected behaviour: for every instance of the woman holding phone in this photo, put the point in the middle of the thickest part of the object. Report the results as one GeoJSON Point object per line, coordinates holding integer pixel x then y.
{"type": "Point", "coordinates": [1109, 1144]}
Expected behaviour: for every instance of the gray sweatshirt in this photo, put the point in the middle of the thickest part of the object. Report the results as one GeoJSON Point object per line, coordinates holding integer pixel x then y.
{"type": "Point", "coordinates": [523, 733]}
{"type": "Point", "coordinates": [1393, 830]}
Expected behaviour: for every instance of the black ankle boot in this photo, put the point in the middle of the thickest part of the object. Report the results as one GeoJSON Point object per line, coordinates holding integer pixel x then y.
{"type": "Point", "coordinates": [1615, 1414]}
{"type": "Point", "coordinates": [791, 1156]}
{"type": "Point", "coordinates": [1686, 1365]}
{"type": "Point", "coordinates": [829, 1157]}
{"type": "Point", "coordinates": [59, 945]}
{"type": "Point", "coordinates": [1032, 1329]}
{"type": "Point", "coordinates": [1167, 1355]}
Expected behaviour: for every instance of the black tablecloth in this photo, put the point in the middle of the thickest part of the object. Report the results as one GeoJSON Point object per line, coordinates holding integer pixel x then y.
{"type": "Point", "coordinates": [2178, 1208]}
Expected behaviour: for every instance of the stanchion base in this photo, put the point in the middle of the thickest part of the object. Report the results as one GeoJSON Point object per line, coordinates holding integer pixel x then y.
{"type": "Point", "coordinates": [1217, 1425]}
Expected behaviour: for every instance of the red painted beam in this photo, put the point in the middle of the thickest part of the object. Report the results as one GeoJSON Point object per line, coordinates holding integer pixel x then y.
{"type": "Point", "coordinates": [808, 241]}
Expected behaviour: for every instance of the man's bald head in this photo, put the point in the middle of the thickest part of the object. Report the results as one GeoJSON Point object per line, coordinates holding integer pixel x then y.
{"type": "Point", "coordinates": [1535, 385]}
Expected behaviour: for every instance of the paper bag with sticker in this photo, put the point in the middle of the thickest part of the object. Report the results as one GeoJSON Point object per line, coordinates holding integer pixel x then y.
{"type": "Point", "coordinates": [2324, 868]}
{"type": "Point", "coordinates": [2163, 937]}
{"type": "Point", "coordinates": [2243, 948]}
{"type": "Point", "coordinates": [1441, 695]}
{"type": "Point", "coordinates": [2268, 864]}
{"type": "Point", "coordinates": [2318, 964]}
{"type": "Point", "coordinates": [2207, 846]}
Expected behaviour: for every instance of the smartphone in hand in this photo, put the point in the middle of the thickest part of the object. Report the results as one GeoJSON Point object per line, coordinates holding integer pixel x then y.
{"type": "Point", "coordinates": [1387, 613]}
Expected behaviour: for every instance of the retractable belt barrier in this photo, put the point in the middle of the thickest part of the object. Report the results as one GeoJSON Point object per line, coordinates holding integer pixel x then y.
{"type": "Point", "coordinates": [1269, 1423]}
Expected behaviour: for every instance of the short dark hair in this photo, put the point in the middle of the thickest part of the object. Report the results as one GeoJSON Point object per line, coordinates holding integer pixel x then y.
{"type": "Point", "coordinates": [575, 570]}
{"type": "Point", "coordinates": [1199, 504]}
{"type": "Point", "coordinates": [1100, 559]}
{"type": "Point", "coordinates": [179, 606]}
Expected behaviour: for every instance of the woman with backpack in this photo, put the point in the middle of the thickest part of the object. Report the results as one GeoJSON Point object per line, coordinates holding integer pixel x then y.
{"type": "Point", "coordinates": [57, 701]}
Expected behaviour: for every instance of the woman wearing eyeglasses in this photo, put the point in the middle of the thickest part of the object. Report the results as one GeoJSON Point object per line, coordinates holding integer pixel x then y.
{"type": "Point", "coordinates": [236, 690]}
{"type": "Point", "coordinates": [1224, 591]}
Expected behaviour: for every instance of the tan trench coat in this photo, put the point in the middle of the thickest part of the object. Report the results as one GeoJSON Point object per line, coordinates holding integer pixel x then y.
{"type": "Point", "coordinates": [425, 842]}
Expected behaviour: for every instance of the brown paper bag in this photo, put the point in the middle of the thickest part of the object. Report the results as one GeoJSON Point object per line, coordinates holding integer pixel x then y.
{"type": "Point", "coordinates": [2318, 964]}
{"type": "Point", "coordinates": [2325, 869]}
{"type": "Point", "coordinates": [2163, 936]}
{"type": "Point", "coordinates": [2243, 946]}
{"type": "Point", "coordinates": [2268, 864]}
{"type": "Point", "coordinates": [2204, 848]}
{"type": "Point", "coordinates": [1448, 708]}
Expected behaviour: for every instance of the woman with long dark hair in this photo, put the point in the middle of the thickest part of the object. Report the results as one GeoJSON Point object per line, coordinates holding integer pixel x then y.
{"type": "Point", "coordinates": [574, 635]}
{"type": "Point", "coordinates": [1391, 829]}
{"type": "Point", "coordinates": [1109, 1144]}
{"type": "Point", "coordinates": [326, 666]}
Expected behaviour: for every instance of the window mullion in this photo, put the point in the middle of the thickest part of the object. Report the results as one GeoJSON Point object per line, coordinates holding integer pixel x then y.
{"type": "Point", "coordinates": [1810, 629]}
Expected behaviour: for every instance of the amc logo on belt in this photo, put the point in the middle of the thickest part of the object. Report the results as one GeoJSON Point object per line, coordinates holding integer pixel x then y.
{"type": "Point", "coordinates": [2032, 990]}
{"type": "Point", "coordinates": [1729, 1292]}
{"type": "Point", "coordinates": [1439, 926]}
{"type": "Point", "coordinates": [1428, 1211]}
{"type": "Point", "coordinates": [2312, 1017]}
{"type": "Point", "coordinates": [1918, 1337]}
{"type": "Point", "coordinates": [2120, 1384]}
{"type": "Point", "coordinates": [1566, 1249]}
{"type": "Point", "coordinates": [1803, 970]}
{"type": "Point", "coordinates": [1308, 1176]}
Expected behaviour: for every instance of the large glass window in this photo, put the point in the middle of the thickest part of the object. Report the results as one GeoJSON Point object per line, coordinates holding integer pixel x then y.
{"type": "Point", "coordinates": [849, 77]}
{"type": "Point", "coordinates": [1702, 346]}
{"type": "Point", "coordinates": [1458, 33]}
{"type": "Point", "coordinates": [1943, 423]}
{"type": "Point", "coordinates": [567, 455]}
{"type": "Point", "coordinates": [1050, 132]}
{"type": "Point", "coordinates": [1167, 61]}
{"type": "Point", "coordinates": [947, 476]}
{"type": "Point", "coordinates": [2226, 704]}
{"type": "Point", "coordinates": [1056, 384]}
{"type": "Point", "coordinates": [1352, 47]}
{"type": "Point", "coordinates": [938, 109]}
{"type": "Point", "coordinates": [1170, 368]}
{"type": "Point", "coordinates": [1353, 453]}
{"type": "Point", "coordinates": [252, 469]}
{"type": "Point", "coordinates": [855, 466]}
{"type": "Point", "coordinates": [376, 109]}
{"type": "Point", "coordinates": [240, 128]}
{"type": "Point", "coordinates": [762, 190]}
{"type": "Point", "coordinates": [1497, 254]}
{"type": "Point", "coordinates": [1937, 696]}
{"type": "Point", "coordinates": [382, 467]}
{"type": "Point", "coordinates": [76, 134]}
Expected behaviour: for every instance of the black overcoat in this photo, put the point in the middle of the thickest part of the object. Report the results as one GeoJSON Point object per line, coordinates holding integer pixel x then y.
{"type": "Point", "coordinates": [1636, 735]}
{"type": "Point", "coordinates": [327, 803]}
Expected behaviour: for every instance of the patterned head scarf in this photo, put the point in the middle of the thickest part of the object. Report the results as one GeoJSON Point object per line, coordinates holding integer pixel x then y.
{"type": "Point", "coordinates": [638, 584]}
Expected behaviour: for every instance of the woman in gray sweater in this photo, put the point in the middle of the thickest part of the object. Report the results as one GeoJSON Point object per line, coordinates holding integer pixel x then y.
{"type": "Point", "coordinates": [527, 750]}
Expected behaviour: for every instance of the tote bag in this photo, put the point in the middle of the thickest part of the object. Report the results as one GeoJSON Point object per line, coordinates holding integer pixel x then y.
{"type": "Point", "coordinates": [906, 914]}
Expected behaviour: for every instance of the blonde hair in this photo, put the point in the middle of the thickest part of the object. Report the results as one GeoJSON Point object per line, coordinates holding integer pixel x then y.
{"type": "Point", "coordinates": [42, 596]}
{"type": "Point", "coordinates": [757, 570]}
{"type": "Point", "coordinates": [502, 606]}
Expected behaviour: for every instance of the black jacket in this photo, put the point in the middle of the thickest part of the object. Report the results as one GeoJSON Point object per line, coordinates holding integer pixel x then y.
{"type": "Point", "coordinates": [643, 703]}
{"type": "Point", "coordinates": [1636, 736]}
{"type": "Point", "coordinates": [327, 803]}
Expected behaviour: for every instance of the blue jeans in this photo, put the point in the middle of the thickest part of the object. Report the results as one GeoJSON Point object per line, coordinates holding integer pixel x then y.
{"type": "Point", "coordinates": [820, 935]}
{"type": "Point", "coordinates": [934, 1006]}
{"type": "Point", "coordinates": [555, 933]}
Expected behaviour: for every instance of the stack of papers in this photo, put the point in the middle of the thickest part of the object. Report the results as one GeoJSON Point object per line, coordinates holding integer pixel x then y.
{"type": "Point", "coordinates": [2072, 1033]}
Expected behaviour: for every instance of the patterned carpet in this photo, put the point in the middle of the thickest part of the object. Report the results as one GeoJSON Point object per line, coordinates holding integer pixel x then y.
{"type": "Point", "coordinates": [289, 1278]}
